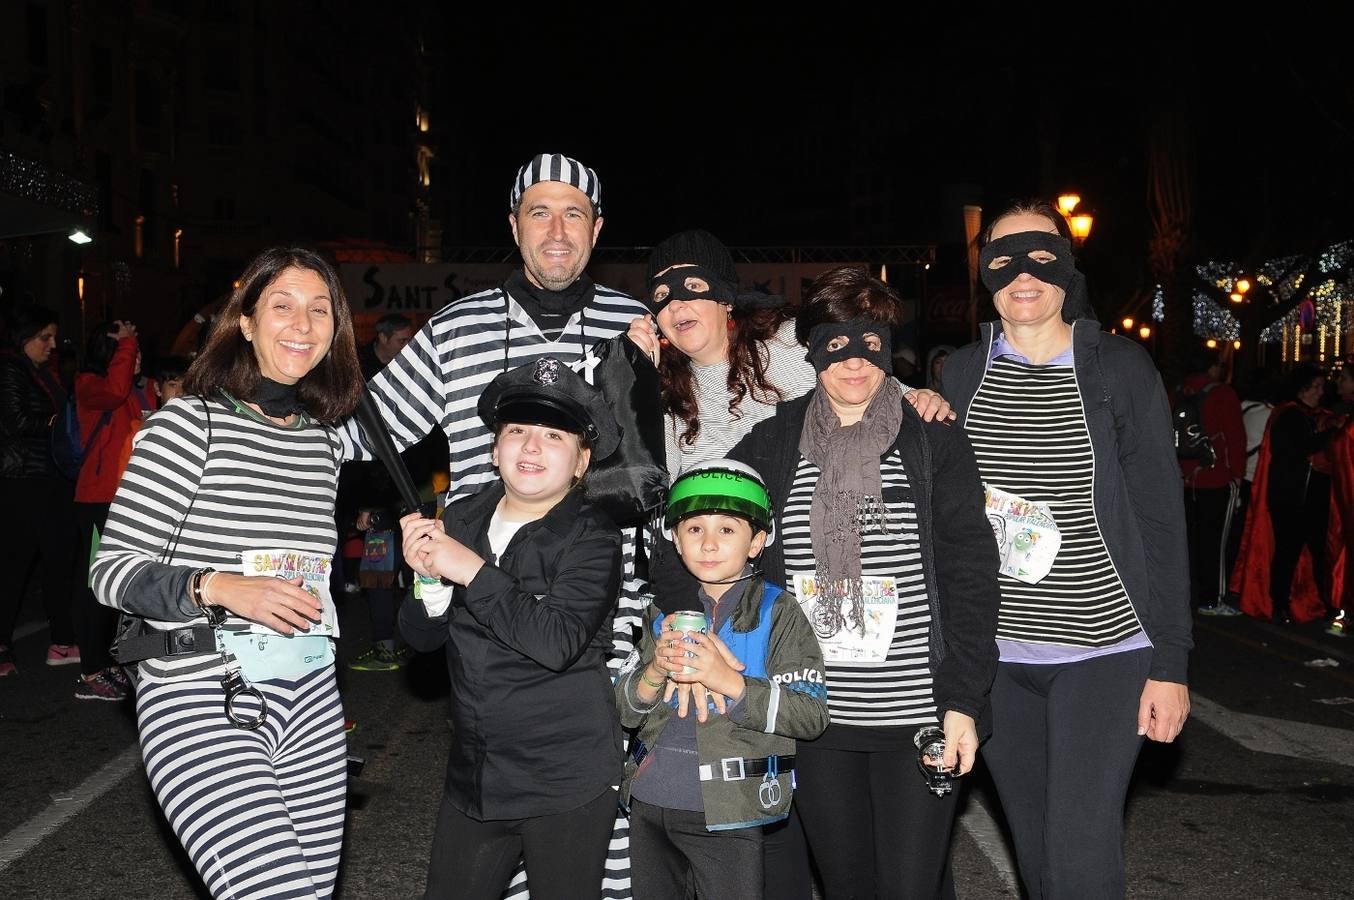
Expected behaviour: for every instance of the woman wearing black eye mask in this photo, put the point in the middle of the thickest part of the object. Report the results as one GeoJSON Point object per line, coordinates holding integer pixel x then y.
{"type": "Point", "coordinates": [882, 534]}
{"type": "Point", "coordinates": [726, 359]}
{"type": "Point", "coordinates": [1093, 653]}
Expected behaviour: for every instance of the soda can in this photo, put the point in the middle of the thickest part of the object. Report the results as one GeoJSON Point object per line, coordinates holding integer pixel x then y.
{"type": "Point", "coordinates": [689, 620]}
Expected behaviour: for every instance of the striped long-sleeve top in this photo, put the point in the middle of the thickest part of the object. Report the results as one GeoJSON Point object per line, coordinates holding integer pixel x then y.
{"type": "Point", "coordinates": [181, 507]}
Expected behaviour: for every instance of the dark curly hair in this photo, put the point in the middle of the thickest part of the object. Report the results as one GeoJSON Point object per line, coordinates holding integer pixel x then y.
{"type": "Point", "coordinates": [747, 369]}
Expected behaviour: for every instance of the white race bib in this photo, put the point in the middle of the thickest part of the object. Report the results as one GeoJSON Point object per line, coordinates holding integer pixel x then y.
{"type": "Point", "coordinates": [313, 568]}
{"type": "Point", "coordinates": [846, 634]}
{"type": "Point", "coordinates": [1027, 537]}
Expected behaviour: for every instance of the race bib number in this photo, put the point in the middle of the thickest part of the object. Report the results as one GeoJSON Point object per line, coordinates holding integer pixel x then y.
{"type": "Point", "coordinates": [848, 630]}
{"type": "Point", "coordinates": [312, 568]}
{"type": "Point", "coordinates": [1027, 537]}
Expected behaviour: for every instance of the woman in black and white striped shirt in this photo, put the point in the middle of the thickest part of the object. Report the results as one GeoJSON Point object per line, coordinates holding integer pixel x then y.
{"type": "Point", "coordinates": [1069, 420]}
{"type": "Point", "coordinates": [218, 545]}
{"type": "Point", "coordinates": [880, 529]}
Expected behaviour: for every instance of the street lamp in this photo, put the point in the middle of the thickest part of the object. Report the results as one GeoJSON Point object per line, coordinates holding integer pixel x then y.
{"type": "Point", "coordinates": [1079, 223]}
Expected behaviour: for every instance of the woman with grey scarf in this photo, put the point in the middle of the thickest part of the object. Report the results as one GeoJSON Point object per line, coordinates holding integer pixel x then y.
{"type": "Point", "coordinates": [881, 533]}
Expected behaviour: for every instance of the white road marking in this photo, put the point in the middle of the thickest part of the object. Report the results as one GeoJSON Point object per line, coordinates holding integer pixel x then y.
{"type": "Point", "coordinates": [68, 805]}
{"type": "Point", "coordinates": [1263, 734]}
{"type": "Point", "coordinates": [978, 822]}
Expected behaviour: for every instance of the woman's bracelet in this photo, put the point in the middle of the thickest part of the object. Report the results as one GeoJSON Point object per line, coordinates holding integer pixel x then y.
{"type": "Point", "coordinates": [206, 583]}
{"type": "Point", "coordinates": [657, 687]}
{"type": "Point", "coordinates": [196, 586]}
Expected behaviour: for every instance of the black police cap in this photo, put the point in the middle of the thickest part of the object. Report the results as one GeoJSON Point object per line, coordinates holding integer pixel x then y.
{"type": "Point", "coordinates": [547, 392]}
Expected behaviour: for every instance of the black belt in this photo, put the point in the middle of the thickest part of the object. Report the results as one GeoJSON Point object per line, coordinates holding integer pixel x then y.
{"type": "Point", "coordinates": [174, 642]}
{"type": "Point", "coordinates": [736, 768]}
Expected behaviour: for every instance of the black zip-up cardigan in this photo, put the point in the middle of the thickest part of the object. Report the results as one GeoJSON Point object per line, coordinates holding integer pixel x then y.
{"type": "Point", "coordinates": [1137, 495]}
{"type": "Point", "coordinates": [534, 724]}
{"type": "Point", "coordinates": [958, 551]}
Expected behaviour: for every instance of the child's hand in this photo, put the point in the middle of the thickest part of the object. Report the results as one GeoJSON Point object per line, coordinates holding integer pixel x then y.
{"type": "Point", "coordinates": [430, 551]}
{"type": "Point", "coordinates": [714, 665]}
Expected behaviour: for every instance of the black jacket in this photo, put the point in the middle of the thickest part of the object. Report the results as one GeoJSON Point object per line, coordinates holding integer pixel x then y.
{"type": "Point", "coordinates": [26, 411]}
{"type": "Point", "coordinates": [1137, 494]}
{"type": "Point", "coordinates": [959, 554]}
{"type": "Point", "coordinates": [534, 722]}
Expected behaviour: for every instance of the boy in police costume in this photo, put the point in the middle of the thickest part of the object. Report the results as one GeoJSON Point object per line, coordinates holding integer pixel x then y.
{"type": "Point", "coordinates": [702, 780]}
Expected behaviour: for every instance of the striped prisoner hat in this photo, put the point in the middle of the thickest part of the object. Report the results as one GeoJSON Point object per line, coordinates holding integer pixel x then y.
{"type": "Point", "coordinates": [557, 167]}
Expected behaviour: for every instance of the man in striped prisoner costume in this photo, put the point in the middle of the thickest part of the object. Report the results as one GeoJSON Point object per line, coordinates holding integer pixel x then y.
{"type": "Point", "coordinates": [548, 308]}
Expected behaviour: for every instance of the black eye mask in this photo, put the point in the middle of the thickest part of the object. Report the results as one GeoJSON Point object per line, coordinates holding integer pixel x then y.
{"type": "Point", "coordinates": [855, 348]}
{"type": "Point", "coordinates": [671, 285]}
{"type": "Point", "coordinates": [1059, 271]}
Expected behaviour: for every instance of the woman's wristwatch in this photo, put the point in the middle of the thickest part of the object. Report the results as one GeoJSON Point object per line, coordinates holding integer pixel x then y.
{"type": "Point", "coordinates": [216, 615]}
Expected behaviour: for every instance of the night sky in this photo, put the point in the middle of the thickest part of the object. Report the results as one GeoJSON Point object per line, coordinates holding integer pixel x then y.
{"type": "Point", "coordinates": [766, 130]}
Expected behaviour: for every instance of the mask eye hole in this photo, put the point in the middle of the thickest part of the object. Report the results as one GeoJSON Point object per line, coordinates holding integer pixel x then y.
{"type": "Point", "coordinates": [1042, 256]}
{"type": "Point", "coordinates": [660, 293]}
{"type": "Point", "coordinates": [999, 262]}
{"type": "Point", "coordinates": [872, 341]}
{"type": "Point", "coordinates": [699, 285]}
{"type": "Point", "coordinates": [837, 343]}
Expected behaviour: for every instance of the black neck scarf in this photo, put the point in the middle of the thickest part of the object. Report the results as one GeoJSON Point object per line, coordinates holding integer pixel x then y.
{"type": "Point", "coordinates": [277, 401]}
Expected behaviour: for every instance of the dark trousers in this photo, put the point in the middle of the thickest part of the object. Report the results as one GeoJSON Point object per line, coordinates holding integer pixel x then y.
{"type": "Point", "coordinates": [1208, 520]}
{"type": "Point", "coordinates": [1064, 742]}
{"type": "Point", "coordinates": [94, 622]}
{"type": "Point", "coordinates": [1297, 526]}
{"type": "Point", "coordinates": [42, 532]}
{"type": "Point", "coordinates": [1234, 533]}
{"type": "Point", "coordinates": [785, 860]}
{"type": "Point", "coordinates": [873, 828]}
{"type": "Point", "coordinates": [565, 853]}
{"type": "Point", "coordinates": [671, 852]}
{"type": "Point", "coordinates": [381, 603]}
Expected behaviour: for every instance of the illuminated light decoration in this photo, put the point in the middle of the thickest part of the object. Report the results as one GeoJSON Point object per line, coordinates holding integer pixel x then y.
{"type": "Point", "coordinates": [1145, 332]}
{"type": "Point", "coordinates": [31, 180]}
{"type": "Point", "coordinates": [1236, 345]}
{"type": "Point", "coordinates": [1128, 323]}
{"type": "Point", "coordinates": [1211, 344]}
{"type": "Point", "coordinates": [1067, 203]}
{"type": "Point", "coordinates": [79, 236]}
{"type": "Point", "coordinates": [1284, 277]}
{"type": "Point", "coordinates": [1159, 305]}
{"type": "Point", "coordinates": [1321, 343]}
{"type": "Point", "coordinates": [1235, 297]}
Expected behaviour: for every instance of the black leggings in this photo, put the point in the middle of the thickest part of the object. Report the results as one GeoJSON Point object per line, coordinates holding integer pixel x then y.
{"type": "Point", "coordinates": [1064, 742]}
{"type": "Point", "coordinates": [873, 828]}
{"type": "Point", "coordinates": [94, 622]}
{"type": "Point", "coordinates": [565, 853]}
{"type": "Point", "coordinates": [1296, 527]}
{"type": "Point", "coordinates": [44, 532]}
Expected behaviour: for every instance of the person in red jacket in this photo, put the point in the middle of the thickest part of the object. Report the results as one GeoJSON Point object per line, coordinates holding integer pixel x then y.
{"type": "Point", "coordinates": [1212, 492]}
{"type": "Point", "coordinates": [111, 399]}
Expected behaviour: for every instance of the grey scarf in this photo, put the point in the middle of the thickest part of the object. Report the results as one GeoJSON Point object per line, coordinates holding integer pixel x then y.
{"type": "Point", "coordinates": [847, 499]}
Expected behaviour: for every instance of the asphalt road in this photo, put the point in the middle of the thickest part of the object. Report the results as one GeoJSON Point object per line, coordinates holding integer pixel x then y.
{"type": "Point", "coordinates": [1255, 800]}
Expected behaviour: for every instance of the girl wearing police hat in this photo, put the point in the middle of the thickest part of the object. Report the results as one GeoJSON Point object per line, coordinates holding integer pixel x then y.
{"type": "Point", "coordinates": [532, 572]}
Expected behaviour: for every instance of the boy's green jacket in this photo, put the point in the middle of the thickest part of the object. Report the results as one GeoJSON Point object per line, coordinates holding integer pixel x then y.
{"type": "Point", "coordinates": [785, 699]}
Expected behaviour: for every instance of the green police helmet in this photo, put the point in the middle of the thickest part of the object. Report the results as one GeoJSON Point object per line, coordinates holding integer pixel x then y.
{"type": "Point", "coordinates": [720, 486]}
